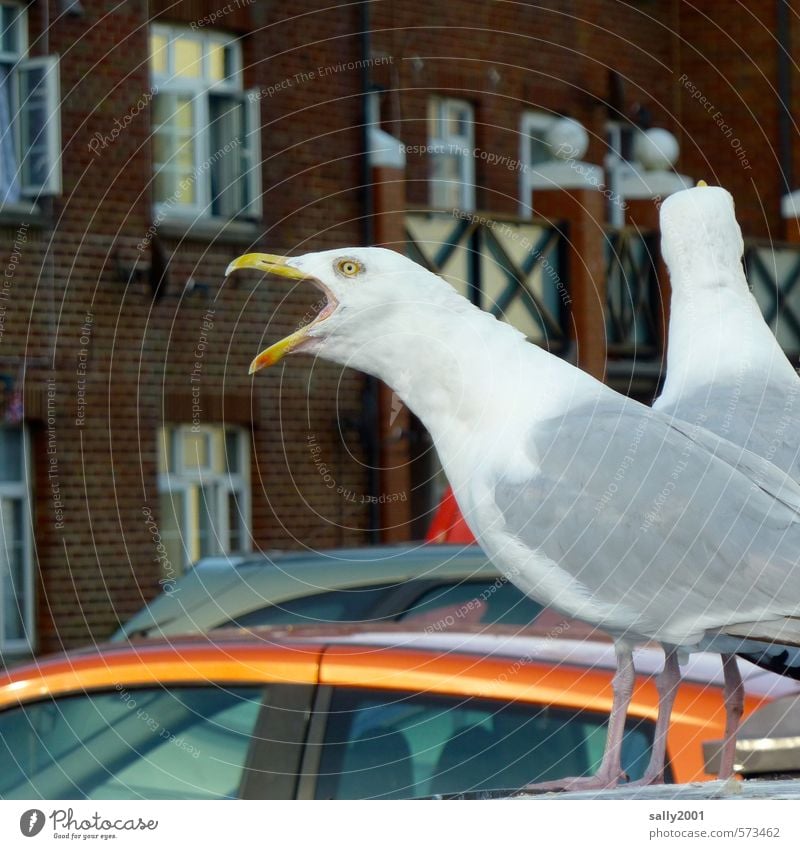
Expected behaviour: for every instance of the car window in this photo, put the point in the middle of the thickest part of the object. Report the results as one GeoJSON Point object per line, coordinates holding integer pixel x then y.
{"type": "Point", "coordinates": [148, 743]}
{"type": "Point", "coordinates": [351, 605]}
{"type": "Point", "coordinates": [491, 602]}
{"type": "Point", "coordinates": [399, 746]}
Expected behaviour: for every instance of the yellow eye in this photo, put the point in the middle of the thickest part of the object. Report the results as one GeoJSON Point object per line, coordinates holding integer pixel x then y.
{"type": "Point", "coordinates": [349, 267]}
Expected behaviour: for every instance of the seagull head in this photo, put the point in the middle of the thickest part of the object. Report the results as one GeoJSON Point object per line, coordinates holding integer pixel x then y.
{"type": "Point", "coordinates": [700, 237]}
{"type": "Point", "coordinates": [373, 299]}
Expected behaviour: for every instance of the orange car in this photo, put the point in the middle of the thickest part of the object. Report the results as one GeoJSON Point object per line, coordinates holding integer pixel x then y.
{"type": "Point", "coordinates": [339, 712]}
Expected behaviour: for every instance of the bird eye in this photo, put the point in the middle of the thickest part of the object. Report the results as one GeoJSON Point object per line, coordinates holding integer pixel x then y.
{"type": "Point", "coordinates": [349, 267]}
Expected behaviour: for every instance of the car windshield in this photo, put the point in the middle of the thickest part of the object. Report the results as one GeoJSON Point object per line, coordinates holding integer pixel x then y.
{"type": "Point", "coordinates": [148, 743]}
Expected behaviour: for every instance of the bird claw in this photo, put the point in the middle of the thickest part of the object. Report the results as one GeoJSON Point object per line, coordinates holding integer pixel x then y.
{"type": "Point", "coordinates": [586, 782]}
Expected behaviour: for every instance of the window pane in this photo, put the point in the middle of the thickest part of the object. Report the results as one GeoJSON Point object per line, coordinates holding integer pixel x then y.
{"type": "Point", "coordinates": [216, 62]}
{"type": "Point", "coordinates": [188, 57]}
{"type": "Point", "coordinates": [406, 745]}
{"type": "Point", "coordinates": [11, 452]}
{"type": "Point", "coordinates": [228, 140]}
{"type": "Point", "coordinates": [179, 743]}
{"type": "Point", "coordinates": [9, 164]}
{"type": "Point", "coordinates": [10, 20]}
{"type": "Point", "coordinates": [232, 451]}
{"type": "Point", "coordinates": [446, 182]}
{"type": "Point", "coordinates": [196, 450]}
{"type": "Point", "coordinates": [496, 602]}
{"type": "Point", "coordinates": [34, 116]}
{"type": "Point", "coordinates": [235, 530]}
{"type": "Point", "coordinates": [208, 528]}
{"type": "Point", "coordinates": [12, 567]}
{"type": "Point", "coordinates": [158, 53]}
{"type": "Point", "coordinates": [174, 149]}
{"type": "Point", "coordinates": [339, 606]}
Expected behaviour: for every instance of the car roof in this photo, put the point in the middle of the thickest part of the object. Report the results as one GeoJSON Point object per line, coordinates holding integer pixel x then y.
{"type": "Point", "coordinates": [206, 596]}
{"type": "Point", "coordinates": [254, 652]}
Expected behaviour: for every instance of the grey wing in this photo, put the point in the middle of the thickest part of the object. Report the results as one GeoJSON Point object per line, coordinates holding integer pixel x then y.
{"type": "Point", "coordinates": [763, 418]}
{"type": "Point", "coordinates": [655, 526]}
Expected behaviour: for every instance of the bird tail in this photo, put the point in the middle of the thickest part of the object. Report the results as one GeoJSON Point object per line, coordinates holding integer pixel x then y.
{"type": "Point", "coordinates": [785, 660]}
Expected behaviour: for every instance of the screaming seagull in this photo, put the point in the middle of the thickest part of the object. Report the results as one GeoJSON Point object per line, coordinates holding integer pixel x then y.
{"type": "Point", "coordinates": [590, 502]}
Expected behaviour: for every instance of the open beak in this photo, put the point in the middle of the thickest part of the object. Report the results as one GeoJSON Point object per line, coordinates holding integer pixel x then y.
{"type": "Point", "coordinates": [279, 265]}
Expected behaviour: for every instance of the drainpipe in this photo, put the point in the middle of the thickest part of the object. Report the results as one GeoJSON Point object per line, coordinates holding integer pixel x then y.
{"type": "Point", "coordinates": [371, 407]}
{"type": "Point", "coordinates": [785, 96]}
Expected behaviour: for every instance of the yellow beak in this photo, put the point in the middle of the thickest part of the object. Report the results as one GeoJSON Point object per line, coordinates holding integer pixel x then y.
{"type": "Point", "coordinates": [268, 263]}
{"type": "Point", "coordinates": [271, 264]}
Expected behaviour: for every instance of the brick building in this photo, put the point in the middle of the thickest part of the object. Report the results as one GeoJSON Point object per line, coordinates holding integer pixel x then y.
{"type": "Point", "coordinates": [144, 145]}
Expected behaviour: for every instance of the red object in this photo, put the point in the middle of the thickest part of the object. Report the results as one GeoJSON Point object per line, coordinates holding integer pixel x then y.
{"type": "Point", "coordinates": [448, 524]}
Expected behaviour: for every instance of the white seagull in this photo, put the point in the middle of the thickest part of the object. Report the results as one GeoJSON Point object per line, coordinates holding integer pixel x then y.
{"type": "Point", "coordinates": [588, 501]}
{"type": "Point", "coordinates": [726, 373]}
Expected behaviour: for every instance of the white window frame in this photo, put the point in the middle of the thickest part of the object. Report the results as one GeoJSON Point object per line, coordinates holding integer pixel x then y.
{"type": "Point", "coordinates": [21, 490]}
{"type": "Point", "coordinates": [615, 166]}
{"type": "Point", "coordinates": [185, 477]}
{"type": "Point", "coordinates": [200, 90]}
{"type": "Point", "coordinates": [52, 128]}
{"type": "Point", "coordinates": [453, 144]}
{"type": "Point", "coordinates": [530, 122]}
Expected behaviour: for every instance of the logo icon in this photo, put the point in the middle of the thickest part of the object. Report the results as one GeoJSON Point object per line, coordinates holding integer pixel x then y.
{"type": "Point", "coordinates": [31, 822]}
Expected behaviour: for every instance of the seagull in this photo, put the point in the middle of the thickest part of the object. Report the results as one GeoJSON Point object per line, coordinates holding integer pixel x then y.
{"type": "Point", "coordinates": [726, 373]}
{"type": "Point", "coordinates": [593, 504]}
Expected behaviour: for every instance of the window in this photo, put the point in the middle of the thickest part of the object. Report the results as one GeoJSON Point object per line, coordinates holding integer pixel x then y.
{"type": "Point", "coordinates": [204, 492]}
{"type": "Point", "coordinates": [496, 602]}
{"type": "Point", "coordinates": [30, 122]}
{"type": "Point", "coordinates": [206, 129]}
{"type": "Point", "coordinates": [534, 150]}
{"type": "Point", "coordinates": [408, 745]}
{"type": "Point", "coordinates": [149, 743]}
{"type": "Point", "coordinates": [452, 152]}
{"type": "Point", "coordinates": [16, 564]}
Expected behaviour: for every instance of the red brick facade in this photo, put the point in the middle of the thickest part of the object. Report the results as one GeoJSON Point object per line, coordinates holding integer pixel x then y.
{"type": "Point", "coordinates": [120, 359]}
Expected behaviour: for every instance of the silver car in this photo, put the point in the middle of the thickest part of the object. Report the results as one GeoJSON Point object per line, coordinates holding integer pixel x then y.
{"type": "Point", "coordinates": [438, 585]}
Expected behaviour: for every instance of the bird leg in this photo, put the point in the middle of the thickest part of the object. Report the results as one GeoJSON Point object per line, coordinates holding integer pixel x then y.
{"type": "Point", "coordinates": [734, 707]}
{"type": "Point", "coordinates": [667, 683]}
{"type": "Point", "coordinates": [610, 771]}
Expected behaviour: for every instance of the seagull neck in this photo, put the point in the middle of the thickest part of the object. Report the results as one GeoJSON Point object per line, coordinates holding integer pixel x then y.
{"type": "Point", "coordinates": [712, 310]}
{"type": "Point", "coordinates": [466, 374]}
